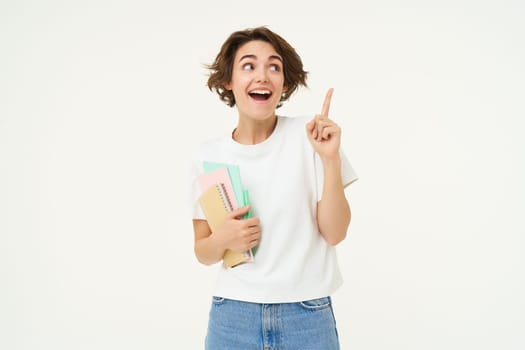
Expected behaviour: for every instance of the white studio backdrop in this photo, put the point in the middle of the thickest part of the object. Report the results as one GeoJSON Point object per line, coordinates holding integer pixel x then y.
{"type": "Point", "coordinates": [102, 102]}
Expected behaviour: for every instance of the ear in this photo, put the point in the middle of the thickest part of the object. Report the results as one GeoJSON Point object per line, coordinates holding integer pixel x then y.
{"type": "Point", "coordinates": [228, 86]}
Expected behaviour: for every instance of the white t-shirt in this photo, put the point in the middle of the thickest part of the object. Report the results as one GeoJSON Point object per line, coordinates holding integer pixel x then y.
{"type": "Point", "coordinates": [284, 178]}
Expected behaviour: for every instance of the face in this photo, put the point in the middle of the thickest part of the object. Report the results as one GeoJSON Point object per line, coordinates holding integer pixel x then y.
{"type": "Point", "coordinates": [257, 80]}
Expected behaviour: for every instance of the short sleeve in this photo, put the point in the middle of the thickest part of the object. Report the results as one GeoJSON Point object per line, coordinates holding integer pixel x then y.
{"type": "Point", "coordinates": [194, 192]}
{"type": "Point", "coordinates": [348, 175]}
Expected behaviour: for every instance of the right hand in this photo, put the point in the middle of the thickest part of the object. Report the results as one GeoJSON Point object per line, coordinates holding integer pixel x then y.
{"type": "Point", "coordinates": [238, 234]}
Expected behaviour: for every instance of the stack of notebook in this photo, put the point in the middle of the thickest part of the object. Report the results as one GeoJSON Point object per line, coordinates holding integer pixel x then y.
{"type": "Point", "coordinates": [222, 192]}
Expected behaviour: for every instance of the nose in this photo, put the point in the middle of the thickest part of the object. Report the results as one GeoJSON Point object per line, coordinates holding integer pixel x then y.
{"type": "Point", "coordinates": [262, 76]}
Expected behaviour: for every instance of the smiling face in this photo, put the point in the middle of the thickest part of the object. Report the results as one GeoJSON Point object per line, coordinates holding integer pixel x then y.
{"type": "Point", "coordinates": [257, 80]}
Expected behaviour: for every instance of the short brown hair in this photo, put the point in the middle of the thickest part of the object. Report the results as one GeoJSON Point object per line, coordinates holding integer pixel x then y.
{"type": "Point", "coordinates": [221, 69]}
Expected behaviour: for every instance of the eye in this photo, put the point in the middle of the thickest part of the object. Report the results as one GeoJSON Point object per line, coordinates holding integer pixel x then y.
{"type": "Point", "coordinates": [275, 68]}
{"type": "Point", "coordinates": [247, 66]}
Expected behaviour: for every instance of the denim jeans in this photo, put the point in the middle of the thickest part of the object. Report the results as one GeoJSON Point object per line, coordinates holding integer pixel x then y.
{"type": "Point", "coordinates": [237, 325]}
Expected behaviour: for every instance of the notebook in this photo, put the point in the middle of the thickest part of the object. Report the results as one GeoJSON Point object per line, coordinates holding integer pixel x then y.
{"type": "Point", "coordinates": [215, 205]}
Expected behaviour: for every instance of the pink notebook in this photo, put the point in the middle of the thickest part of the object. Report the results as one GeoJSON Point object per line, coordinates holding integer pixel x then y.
{"type": "Point", "coordinates": [220, 175]}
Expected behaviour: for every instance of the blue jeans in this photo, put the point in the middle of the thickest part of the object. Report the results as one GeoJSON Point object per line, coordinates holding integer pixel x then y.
{"type": "Point", "coordinates": [237, 325]}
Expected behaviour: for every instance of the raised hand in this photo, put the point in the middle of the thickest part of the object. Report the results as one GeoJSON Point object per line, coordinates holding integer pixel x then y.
{"type": "Point", "coordinates": [324, 134]}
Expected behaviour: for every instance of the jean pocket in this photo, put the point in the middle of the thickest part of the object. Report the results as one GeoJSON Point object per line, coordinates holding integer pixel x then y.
{"type": "Point", "coordinates": [217, 300]}
{"type": "Point", "coordinates": [316, 304]}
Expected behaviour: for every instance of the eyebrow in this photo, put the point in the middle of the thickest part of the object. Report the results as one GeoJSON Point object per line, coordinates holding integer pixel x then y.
{"type": "Point", "coordinates": [274, 57]}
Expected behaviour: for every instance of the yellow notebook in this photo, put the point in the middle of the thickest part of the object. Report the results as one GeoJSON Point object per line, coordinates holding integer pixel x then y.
{"type": "Point", "coordinates": [216, 206]}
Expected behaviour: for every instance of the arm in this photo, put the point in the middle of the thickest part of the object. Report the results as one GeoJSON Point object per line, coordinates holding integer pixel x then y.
{"type": "Point", "coordinates": [333, 210]}
{"type": "Point", "coordinates": [206, 249]}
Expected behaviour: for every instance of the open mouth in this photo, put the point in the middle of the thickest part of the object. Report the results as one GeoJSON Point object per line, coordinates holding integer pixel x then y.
{"type": "Point", "coordinates": [260, 95]}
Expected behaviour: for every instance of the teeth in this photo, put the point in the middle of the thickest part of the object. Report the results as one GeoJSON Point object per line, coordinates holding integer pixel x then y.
{"type": "Point", "coordinates": [260, 92]}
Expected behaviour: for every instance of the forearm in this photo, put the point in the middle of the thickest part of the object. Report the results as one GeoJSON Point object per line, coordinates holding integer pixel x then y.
{"type": "Point", "coordinates": [208, 251]}
{"type": "Point", "coordinates": [333, 211]}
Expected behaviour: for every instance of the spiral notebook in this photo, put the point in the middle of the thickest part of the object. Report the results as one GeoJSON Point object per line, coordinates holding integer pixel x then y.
{"type": "Point", "coordinates": [216, 204]}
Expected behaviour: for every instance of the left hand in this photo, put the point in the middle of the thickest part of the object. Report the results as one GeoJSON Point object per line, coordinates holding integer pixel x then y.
{"type": "Point", "coordinates": [324, 134]}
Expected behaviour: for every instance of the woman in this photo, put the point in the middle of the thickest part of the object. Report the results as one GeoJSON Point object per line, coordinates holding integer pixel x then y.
{"type": "Point", "coordinates": [295, 173]}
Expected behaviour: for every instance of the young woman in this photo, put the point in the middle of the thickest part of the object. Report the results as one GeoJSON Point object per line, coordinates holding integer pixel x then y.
{"type": "Point", "coordinates": [295, 173]}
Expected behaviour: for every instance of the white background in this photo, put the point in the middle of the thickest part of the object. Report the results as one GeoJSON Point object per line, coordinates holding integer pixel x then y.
{"type": "Point", "coordinates": [101, 102]}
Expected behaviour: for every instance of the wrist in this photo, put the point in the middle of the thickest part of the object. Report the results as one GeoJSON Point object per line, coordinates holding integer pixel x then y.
{"type": "Point", "coordinates": [331, 161]}
{"type": "Point", "coordinates": [217, 242]}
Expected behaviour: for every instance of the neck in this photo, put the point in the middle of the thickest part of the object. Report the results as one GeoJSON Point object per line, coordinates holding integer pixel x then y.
{"type": "Point", "coordinates": [251, 132]}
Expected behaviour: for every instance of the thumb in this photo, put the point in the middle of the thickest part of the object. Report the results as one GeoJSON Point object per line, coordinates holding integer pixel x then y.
{"type": "Point", "coordinates": [239, 212]}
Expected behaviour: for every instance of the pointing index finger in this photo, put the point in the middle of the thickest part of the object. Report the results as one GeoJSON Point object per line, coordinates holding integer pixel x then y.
{"type": "Point", "coordinates": [326, 103]}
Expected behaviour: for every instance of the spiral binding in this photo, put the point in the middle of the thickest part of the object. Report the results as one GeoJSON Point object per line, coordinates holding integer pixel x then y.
{"type": "Point", "coordinates": [224, 195]}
